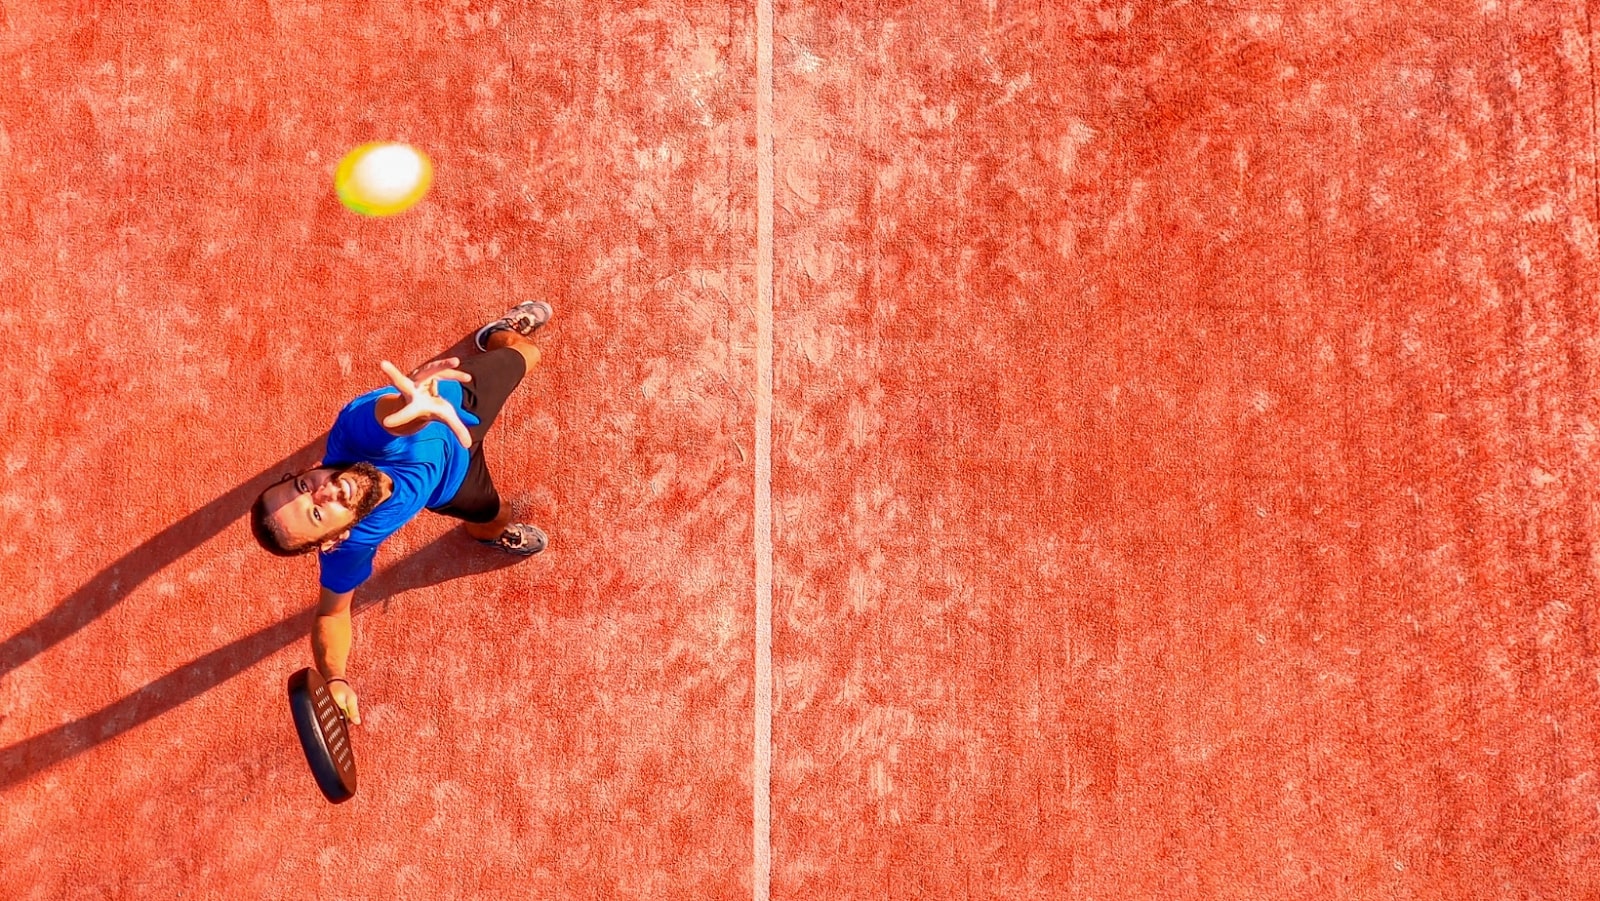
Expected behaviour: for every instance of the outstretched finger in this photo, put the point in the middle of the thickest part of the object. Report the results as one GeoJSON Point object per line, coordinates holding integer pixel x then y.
{"type": "Point", "coordinates": [445, 368]}
{"type": "Point", "coordinates": [455, 424]}
{"type": "Point", "coordinates": [400, 417]}
{"type": "Point", "coordinates": [399, 378]}
{"type": "Point", "coordinates": [454, 375]}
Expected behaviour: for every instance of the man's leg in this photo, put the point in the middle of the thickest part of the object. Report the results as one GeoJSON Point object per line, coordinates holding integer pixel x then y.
{"type": "Point", "coordinates": [509, 338]}
{"type": "Point", "coordinates": [521, 321]}
{"type": "Point", "coordinates": [489, 531]}
{"type": "Point", "coordinates": [507, 355]}
{"type": "Point", "coordinates": [494, 377]}
{"type": "Point", "coordinates": [485, 516]}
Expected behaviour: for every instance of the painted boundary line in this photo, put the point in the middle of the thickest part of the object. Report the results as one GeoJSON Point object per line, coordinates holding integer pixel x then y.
{"type": "Point", "coordinates": [761, 776]}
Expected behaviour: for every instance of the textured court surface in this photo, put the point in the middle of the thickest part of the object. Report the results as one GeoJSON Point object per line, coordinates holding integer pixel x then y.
{"type": "Point", "coordinates": [1183, 462]}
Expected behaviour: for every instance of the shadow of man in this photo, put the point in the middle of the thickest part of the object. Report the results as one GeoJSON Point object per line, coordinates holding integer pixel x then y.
{"type": "Point", "coordinates": [451, 556]}
{"type": "Point", "coordinates": [112, 584]}
{"type": "Point", "coordinates": [118, 580]}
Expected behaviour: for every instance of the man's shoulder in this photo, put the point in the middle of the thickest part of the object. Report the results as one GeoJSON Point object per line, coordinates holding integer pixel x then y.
{"type": "Point", "coordinates": [361, 404]}
{"type": "Point", "coordinates": [356, 433]}
{"type": "Point", "coordinates": [388, 517]}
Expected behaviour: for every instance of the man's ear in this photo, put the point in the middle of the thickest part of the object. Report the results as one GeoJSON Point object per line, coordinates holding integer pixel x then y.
{"type": "Point", "coordinates": [328, 544]}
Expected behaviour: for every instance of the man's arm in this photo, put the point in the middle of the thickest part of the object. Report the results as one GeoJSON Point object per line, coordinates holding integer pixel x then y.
{"type": "Point", "coordinates": [330, 648]}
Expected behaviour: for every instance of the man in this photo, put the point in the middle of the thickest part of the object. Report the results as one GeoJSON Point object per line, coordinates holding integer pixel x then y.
{"type": "Point", "coordinates": [391, 453]}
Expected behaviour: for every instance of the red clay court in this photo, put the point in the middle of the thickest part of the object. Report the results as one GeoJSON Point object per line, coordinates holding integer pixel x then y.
{"type": "Point", "coordinates": [991, 450]}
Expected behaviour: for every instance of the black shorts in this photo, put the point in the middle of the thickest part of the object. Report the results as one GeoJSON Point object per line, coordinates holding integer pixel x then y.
{"type": "Point", "coordinates": [494, 376]}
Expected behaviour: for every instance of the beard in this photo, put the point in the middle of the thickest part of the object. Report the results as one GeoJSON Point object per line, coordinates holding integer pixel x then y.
{"type": "Point", "coordinates": [368, 494]}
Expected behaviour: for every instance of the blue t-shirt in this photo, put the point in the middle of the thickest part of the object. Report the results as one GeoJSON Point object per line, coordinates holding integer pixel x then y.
{"type": "Point", "coordinates": [427, 468]}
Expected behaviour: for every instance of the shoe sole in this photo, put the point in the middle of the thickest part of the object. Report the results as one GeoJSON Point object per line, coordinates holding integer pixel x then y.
{"type": "Point", "coordinates": [482, 337]}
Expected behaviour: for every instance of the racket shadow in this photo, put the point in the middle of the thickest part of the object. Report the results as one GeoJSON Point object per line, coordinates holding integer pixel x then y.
{"type": "Point", "coordinates": [451, 556]}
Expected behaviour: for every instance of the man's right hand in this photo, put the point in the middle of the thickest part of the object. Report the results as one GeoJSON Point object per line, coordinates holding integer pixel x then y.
{"type": "Point", "coordinates": [330, 647]}
{"type": "Point", "coordinates": [345, 696]}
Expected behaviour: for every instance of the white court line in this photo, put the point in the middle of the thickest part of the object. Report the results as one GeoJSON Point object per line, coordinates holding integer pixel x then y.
{"type": "Point", "coordinates": [761, 876]}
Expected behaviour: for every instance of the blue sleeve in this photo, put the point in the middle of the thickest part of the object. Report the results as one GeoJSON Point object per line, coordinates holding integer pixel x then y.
{"type": "Point", "coordinates": [357, 434]}
{"type": "Point", "coordinates": [346, 567]}
{"type": "Point", "coordinates": [450, 390]}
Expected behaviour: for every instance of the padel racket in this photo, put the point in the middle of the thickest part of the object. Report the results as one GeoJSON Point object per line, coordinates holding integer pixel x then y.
{"type": "Point", "coordinates": [323, 735]}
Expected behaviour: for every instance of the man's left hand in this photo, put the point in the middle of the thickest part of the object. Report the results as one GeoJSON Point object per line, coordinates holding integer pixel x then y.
{"type": "Point", "coordinates": [420, 391]}
{"type": "Point", "coordinates": [440, 369]}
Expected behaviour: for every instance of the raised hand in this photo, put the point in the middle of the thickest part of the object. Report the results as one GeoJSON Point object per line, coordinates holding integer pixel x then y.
{"type": "Point", "coordinates": [441, 369]}
{"type": "Point", "coordinates": [422, 400]}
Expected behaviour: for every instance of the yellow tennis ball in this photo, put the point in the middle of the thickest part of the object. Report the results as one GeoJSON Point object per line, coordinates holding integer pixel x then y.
{"type": "Point", "coordinates": [383, 178]}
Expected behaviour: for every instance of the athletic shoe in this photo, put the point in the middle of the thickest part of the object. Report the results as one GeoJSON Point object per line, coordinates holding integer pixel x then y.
{"type": "Point", "coordinates": [524, 319]}
{"type": "Point", "coordinates": [521, 539]}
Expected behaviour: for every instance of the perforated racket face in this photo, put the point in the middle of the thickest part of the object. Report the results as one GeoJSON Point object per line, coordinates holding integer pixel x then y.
{"type": "Point", "coordinates": [323, 735]}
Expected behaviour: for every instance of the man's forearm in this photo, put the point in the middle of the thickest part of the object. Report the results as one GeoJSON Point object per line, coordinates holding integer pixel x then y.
{"type": "Point", "coordinates": [330, 635]}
